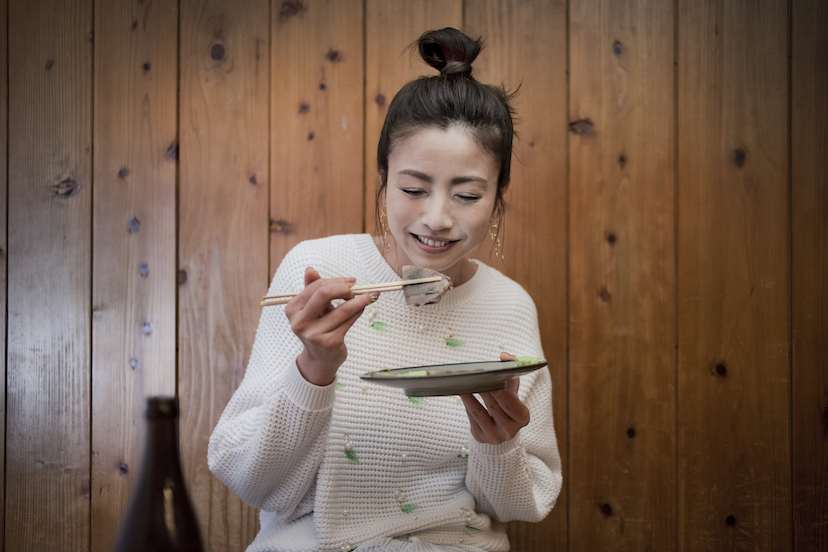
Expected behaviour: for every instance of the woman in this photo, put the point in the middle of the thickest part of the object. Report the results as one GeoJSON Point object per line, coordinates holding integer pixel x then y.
{"type": "Point", "coordinates": [337, 464]}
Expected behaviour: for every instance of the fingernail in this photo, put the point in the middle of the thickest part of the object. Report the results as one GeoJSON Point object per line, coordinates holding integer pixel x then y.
{"type": "Point", "coordinates": [351, 280]}
{"type": "Point", "coordinates": [373, 297]}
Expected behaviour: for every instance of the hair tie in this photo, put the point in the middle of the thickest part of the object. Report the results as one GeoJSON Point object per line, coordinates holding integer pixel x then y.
{"type": "Point", "coordinates": [452, 67]}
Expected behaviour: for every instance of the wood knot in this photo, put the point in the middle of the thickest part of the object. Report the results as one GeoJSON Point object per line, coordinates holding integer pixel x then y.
{"type": "Point", "coordinates": [123, 469]}
{"type": "Point", "coordinates": [134, 225]}
{"type": "Point", "coordinates": [49, 64]}
{"type": "Point", "coordinates": [281, 227]}
{"type": "Point", "coordinates": [322, 86]}
{"type": "Point", "coordinates": [311, 136]}
{"type": "Point", "coordinates": [292, 8]}
{"type": "Point", "coordinates": [146, 67]}
{"type": "Point", "coordinates": [334, 56]}
{"type": "Point", "coordinates": [66, 187]}
{"type": "Point", "coordinates": [631, 432]}
{"type": "Point", "coordinates": [730, 520]}
{"type": "Point", "coordinates": [720, 369]}
{"type": "Point", "coordinates": [123, 172]}
{"type": "Point", "coordinates": [604, 295]}
{"type": "Point", "coordinates": [380, 100]}
{"type": "Point", "coordinates": [217, 51]}
{"type": "Point", "coordinates": [622, 160]}
{"type": "Point", "coordinates": [253, 180]}
{"type": "Point", "coordinates": [739, 157]}
{"type": "Point", "coordinates": [304, 107]}
{"type": "Point", "coordinates": [172, 152]}
{"type": "Point", "coordinates": [611, 238]}
{"type": "Point", "coordinates": [605, 509]}
{"type": "Point", "coordinates": [617, 48]}
{"type": "Point", "coordinates": [182, 277]}
{"type": "Point", "coordinates": [144, 270]}
{"type": "Point", "coordinates": [582, 127]}
{"type": "Point", "coordinates": [133, 363]}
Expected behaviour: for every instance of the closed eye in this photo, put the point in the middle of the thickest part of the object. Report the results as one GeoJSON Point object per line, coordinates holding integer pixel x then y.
{"type": "Point", "coordinates": [468, 197]}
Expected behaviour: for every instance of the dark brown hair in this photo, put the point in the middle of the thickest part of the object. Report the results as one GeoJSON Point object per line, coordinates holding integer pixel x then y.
{"type": "Point", "coordinates": [453, 97]}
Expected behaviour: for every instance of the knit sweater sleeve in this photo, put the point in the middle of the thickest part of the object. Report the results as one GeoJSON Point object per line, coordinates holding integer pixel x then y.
{"type": "Point", "coordinates": [521, 479]}
{"type": "Point", "coordinates": [269, 442]}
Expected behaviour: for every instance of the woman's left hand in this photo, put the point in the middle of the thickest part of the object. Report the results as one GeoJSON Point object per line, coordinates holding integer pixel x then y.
{"type": "Point", "coordinates": [502, 416]}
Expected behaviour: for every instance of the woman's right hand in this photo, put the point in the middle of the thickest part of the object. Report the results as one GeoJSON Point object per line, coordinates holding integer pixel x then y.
{"type": "Point", "coordinates": [321, 327]}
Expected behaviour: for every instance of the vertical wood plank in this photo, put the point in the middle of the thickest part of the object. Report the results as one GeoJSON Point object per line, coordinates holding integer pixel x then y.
{"type": "Point", "coordinates": [134, 261]}
{"type": "Point", "coordinates": [622, 276]}
{"type": "Point", "coordinates": [223, 179]}
{"type": "Point", "coordinates": [50, 192]}
{"type": "Point", "coordinates": [809, 278]}
{"type": "Point", "coordinates": [534, 240]}
{"type": "Point", "coordinates": [317, 74]}
{"type": "Point", "coordinates": [733, 274]}
{"type": "Point", "coordinates": [391, 26]}
{"type": "Point", "coordinates": [4, 186]}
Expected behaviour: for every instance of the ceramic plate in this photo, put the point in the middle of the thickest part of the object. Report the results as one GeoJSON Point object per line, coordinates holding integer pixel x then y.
{"type": "Point", "coordinates": [451, 379]}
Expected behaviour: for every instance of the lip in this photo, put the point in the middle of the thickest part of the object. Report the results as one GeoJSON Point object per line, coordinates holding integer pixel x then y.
{"type": "Point", "coordinates": [432, 249]}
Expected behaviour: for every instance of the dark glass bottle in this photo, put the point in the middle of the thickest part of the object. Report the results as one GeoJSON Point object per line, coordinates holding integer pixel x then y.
{"type": "Point", "coordinates": [160, 516]}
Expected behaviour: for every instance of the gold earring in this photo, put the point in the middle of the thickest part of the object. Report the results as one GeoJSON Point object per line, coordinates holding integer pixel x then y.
{"type": "Point", "coordinates": [494, 232]}
{"type": "Point", "coordinates": [384, 225]}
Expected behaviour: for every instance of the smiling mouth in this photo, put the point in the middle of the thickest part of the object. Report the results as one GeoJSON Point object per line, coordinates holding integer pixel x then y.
{"type": "Point", "coordinates": [432, 243]}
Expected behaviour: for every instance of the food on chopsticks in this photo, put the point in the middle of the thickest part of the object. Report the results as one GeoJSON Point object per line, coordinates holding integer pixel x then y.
{"type": "Point", "coordinates": [425, 293]}
{"type": "Point", "coordinates": [421, 286]}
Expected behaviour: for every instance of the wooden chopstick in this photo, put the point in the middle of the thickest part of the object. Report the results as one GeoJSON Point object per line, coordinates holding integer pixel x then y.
{"type": "Point", "coordinates": [282, 298]}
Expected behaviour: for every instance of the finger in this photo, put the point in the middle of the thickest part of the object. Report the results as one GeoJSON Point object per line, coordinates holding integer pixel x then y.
{"type": "Point", "coordinates": [313, 282]}
{"type": "Point", "coordinates": [315, 319]}
{"type": "Point", "coordinates": [340, 321]}
{"type": "Point", "coordinates": [507, 409]}
{"type": "Point", "coordinates": [481, 424]}
{"type": "Point", "coordinates": [319, 300]}
{"type": "Point", "coordinates": [512, 386]}
{"type": "Point", "coordinates": [311, 275]}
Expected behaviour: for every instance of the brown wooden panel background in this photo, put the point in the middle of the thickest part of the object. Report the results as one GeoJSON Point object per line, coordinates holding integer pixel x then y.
{"type": "Point", "coordinates": [668, 212]}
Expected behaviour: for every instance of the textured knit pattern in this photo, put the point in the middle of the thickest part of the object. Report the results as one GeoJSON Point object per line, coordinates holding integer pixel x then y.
{"type": "Point", "coordinates": [355, 465]}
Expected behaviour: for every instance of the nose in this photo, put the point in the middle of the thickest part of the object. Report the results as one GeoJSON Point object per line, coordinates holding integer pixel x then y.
{"type": "Point", "coordinates": [437, 213]}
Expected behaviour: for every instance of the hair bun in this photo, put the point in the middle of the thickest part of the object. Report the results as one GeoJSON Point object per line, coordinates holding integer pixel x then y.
{"type": "Point", "coordinates": [449, 51]}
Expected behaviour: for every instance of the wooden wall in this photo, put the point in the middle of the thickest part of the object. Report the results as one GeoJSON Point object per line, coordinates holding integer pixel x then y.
{"type": "Point", "coordinates": [668, 213]}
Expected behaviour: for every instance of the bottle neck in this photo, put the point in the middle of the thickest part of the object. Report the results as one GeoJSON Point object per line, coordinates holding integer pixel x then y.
{"type": "Point", "coordinates": [161, 450]}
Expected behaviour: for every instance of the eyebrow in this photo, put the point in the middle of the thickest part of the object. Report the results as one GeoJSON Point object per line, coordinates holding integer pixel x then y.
{"type": "Point", "coordinates": [456, 180]}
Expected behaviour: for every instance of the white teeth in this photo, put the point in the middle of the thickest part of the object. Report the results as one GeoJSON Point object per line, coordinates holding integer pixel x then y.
{"type": "Point", "coordinates": [432, 243]}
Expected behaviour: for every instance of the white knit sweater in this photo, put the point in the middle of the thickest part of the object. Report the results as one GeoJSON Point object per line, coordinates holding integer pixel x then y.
{"type": "Point", "coordinates": [355, 465]}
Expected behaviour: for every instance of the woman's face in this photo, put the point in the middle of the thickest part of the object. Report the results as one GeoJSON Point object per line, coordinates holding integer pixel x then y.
{"type": "Point", "coordinates": [439, 199]}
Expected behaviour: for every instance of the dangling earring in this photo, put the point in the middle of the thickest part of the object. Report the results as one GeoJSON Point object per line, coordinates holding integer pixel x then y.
{"type": "Point", "coordinates": [494, 233]}
{"type": "Point", "coordinates": [384, 225]}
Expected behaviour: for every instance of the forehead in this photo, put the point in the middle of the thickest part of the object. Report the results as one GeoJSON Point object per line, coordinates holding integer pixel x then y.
{"type": "Point", "coordinates": [452, 149]}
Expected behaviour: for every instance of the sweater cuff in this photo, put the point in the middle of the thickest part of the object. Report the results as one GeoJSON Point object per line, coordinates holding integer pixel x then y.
{"type": "Point", "coordinates": [306, 395]}
{"type": "Point", "coordinates": [495, 450]}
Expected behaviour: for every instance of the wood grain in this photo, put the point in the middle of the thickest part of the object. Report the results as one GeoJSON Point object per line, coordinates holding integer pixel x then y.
{"type": "Point", "coordinates": [134, 224]}
{"type": "Point", "coordinates": [316, 123]}
{"type": "Point", "coordinates": [809, 278]}
{"type": "Point", "coordinates": [391, 26]}
{"type": "Point", "coordinates": [49, 221]}
{"type": "Point", "coordinates": [534, 240]}
{"type": "Point", "coordinates": [622, 276]}
{"type": "Point", "coordinates": [223, 180]}
{"type": "Point", "coordinates": [733, 274]}
{"type": "Point", "coordinates": [4, 187]}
